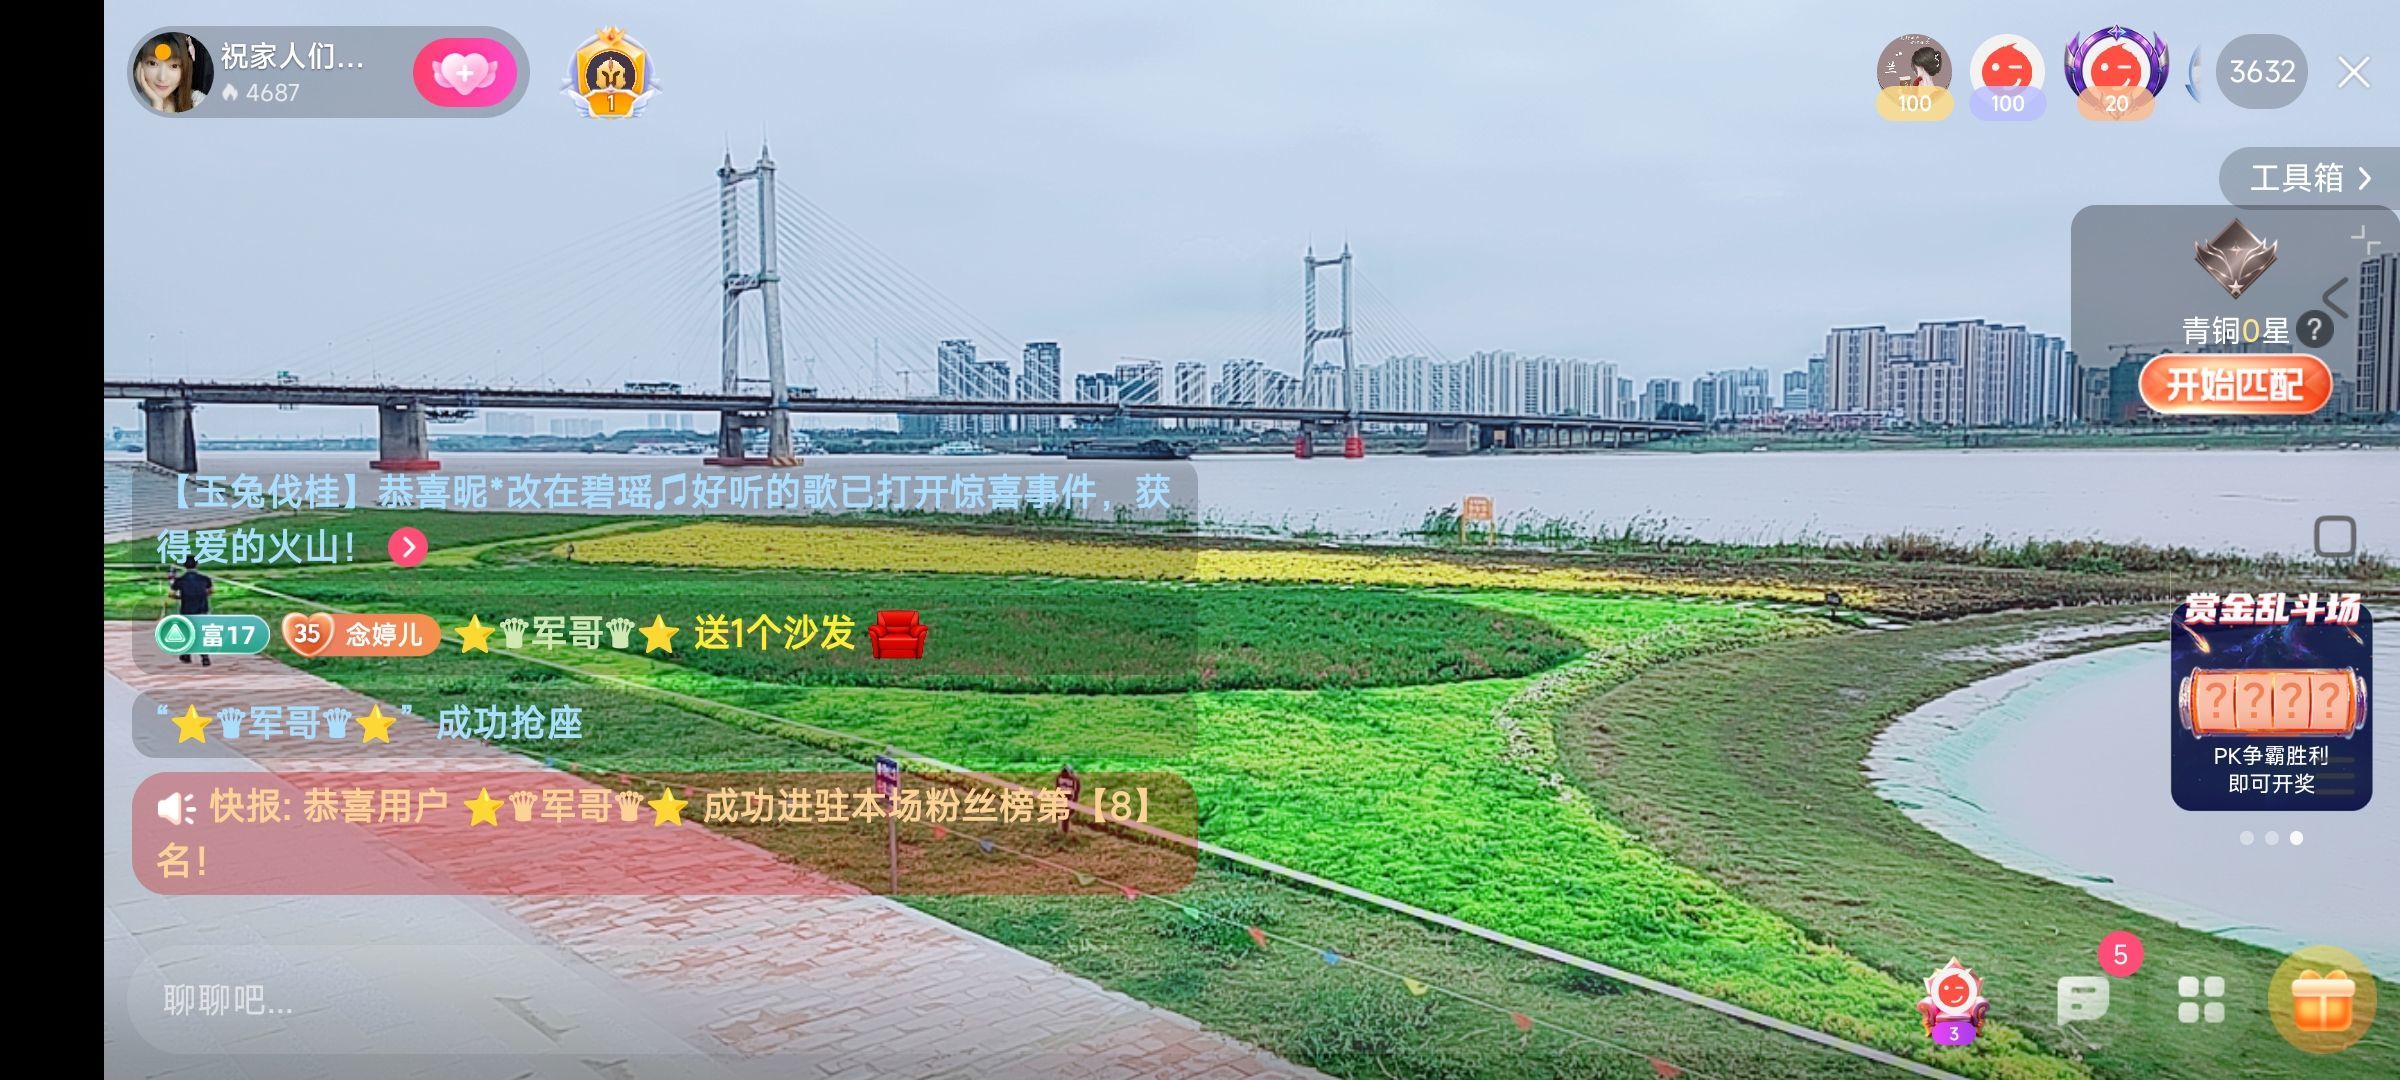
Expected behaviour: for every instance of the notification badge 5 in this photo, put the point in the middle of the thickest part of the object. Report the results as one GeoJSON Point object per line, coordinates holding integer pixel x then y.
{"type": "Point", "coordinates": [465, 73]}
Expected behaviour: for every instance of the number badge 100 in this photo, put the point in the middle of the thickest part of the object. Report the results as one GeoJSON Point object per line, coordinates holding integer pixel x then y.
{"type": "Point", "coordinates": [1913, 103]}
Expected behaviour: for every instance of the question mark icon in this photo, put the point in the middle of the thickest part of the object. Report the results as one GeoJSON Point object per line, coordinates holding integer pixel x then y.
{"type": "Point", "coordinates": [2315, 329]}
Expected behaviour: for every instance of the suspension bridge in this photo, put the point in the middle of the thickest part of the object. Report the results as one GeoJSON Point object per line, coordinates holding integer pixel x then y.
{"type": "Point", "coordinates": [859, 320]}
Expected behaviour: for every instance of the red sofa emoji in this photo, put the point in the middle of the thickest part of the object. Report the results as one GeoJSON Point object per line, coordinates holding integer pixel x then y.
{"type": "Point", "coordinates": [896, 635]}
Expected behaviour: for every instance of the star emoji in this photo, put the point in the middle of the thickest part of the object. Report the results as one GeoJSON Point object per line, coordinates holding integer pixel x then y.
{"type": "Point", "coordinates": [474, 637]}
{"type": "Point", "coordinates": [375, 726]}
{"type": "Point", "coordinates": [658, 636]}
{"type": "Point", "coordinates": [191, 725]}
{"type": "Point", "coordinates": [668, 808]}
{"type": "Point", "coordinates": [483, 809]}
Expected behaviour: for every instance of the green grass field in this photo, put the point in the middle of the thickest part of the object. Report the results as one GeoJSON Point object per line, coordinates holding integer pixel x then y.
{"type": "Point", "coordinates": [1773, 804]}
{"type": "Point", "coordinates": [1006, 634]}
{"type": "Point", "coordinates": [1506, 756]}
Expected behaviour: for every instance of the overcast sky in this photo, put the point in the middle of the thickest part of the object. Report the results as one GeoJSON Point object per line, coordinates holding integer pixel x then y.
{"type": "Point", "coordinates": [1675, 191]}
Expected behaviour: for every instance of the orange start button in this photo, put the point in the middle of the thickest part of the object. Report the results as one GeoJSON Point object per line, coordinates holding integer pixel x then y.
{"type": "Point", "coordinates": [2236, 384]}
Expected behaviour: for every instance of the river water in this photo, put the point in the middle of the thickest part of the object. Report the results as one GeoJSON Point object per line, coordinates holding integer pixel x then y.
{"type": "Point", "coordinates": [2058, 769]}
{"type": "Point", "coordinates": [2256, 501]}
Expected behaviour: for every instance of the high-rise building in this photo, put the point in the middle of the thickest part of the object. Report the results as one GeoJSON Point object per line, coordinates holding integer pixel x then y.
{"type": "Point", "coordinates": [1542, 381]}
{"type": "Point", "coordinates": [920, 425]}
{"type": "Point", "coordinates": [1037, 380]}
{"type": "Point", "coordinates": [1627, 408]}
{"type": "Point", "coordinates": [950, 362]}
{"type": "Point", "coordinates": [1141, 382]}
{"type": "Point", "coordinates": [1589, 390]}
{"type": "Point", "coordinates": [574, 427]}
{"type": "Point", "coordinates": [2344, 399]}
{"type": "Point", "coordinates": [1493, 387]}
{"type": "Point", "coordinates": [1732, 394]}
{"type": "Point", "coordinates": [2004, 375]}
{"type": "Point", "coordinates": [955, 377]}
{"type": "Point", "coordinates": [1795, 391]}
{"type": "Point", "coordinates": [1097, 386]}
{"type": "Point", "coordinates": [2378, 370]}
{"type": "Point", "coordinates": [1921, 387]}
{"type": "Point", "coordinates": [1401, 383]}
{"type": "Point", "coordinates": [1446, 387]}
{"type": "Point", "coordinates": [2055, 396]}
{"type": "Point", "coordinates": [1854, 358]}
{"type": "Point", "coordinates": [1323, 385]}
{"type": "Point", "coordinates": [1244, 380]}
{"type": "Point", "coordinates": [508, 423]}
{"type": "Point", "coordinates": [1282, 391]}
{"type": "Point", "coordinates": [1704, 396]}
{"type": "Point", "coordinates": [2124, 401]}
{"type": "Point", "coordinates": [2015, 355]}
{"type": "Point", "coordinates": [1191, 388]}
{"type": "Point", "coordinates": [2092, 386]}
{"type": "Point", "coordinates": [1658, 394]}
{"type": "Point", "coordinates": [1981, 384]}
{"type": "Point", "coordinates": [1191, 382]}
{"type": "Point", "coordinates": [991, 384]}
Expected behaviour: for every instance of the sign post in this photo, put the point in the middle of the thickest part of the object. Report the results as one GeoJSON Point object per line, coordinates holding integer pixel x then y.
{"type": "Point", "coordinates": [887, 787]}
{"type": "Point", "coordinates": [1475, 508]}
{"type": "Point", "coordinates": [1070, 785]}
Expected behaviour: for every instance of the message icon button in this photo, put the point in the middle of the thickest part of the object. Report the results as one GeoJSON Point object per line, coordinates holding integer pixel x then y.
{"type": "Point", "coordinates": [2081, 997]}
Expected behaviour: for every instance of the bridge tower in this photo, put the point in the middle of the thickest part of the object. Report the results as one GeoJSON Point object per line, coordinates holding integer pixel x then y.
{"type": "Point", "coordinates": [1353, 444]}
{"type": "Point", "coordinates": [733, 427]}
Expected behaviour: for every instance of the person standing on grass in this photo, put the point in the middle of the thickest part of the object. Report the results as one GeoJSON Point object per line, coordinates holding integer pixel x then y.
{"type": "Point", "coordinates": [190, 590]}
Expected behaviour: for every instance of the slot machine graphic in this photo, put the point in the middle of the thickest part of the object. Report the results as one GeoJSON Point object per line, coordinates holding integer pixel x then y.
{"type": "Point", "coordinates": [2270, 702]}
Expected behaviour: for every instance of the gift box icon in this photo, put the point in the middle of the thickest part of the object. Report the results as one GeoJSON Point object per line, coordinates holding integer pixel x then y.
{"type": "Point", "coordinates": [2322, 1002]}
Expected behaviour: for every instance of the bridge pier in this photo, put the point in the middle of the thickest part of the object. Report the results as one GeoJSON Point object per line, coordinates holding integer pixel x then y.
{"type": "Point", "coordinates": [1450, 437]}
{"type": "Point", "coordinates": [167, 438]}
{"type": "Point", "coordinates": [733, 440]}
{"type": "Point", "coordinates": [400, 438]}
{"type": "Point", "coordinates": [1322, 436]}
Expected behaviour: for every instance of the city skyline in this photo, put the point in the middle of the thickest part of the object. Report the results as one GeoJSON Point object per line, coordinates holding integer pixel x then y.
{"type": "Point", "coordinates": [1053, 233]}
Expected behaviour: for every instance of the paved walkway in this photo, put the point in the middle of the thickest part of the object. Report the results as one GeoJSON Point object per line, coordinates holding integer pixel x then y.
{"type": "Point", "coordinates": [832, 983]}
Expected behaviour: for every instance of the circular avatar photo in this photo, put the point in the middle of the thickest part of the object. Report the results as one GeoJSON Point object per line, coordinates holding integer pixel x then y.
{"type": "Point", "coordinates": [1913, 60]}
{"type": "Point", "coordinates": [172, 72]}
{"type": "Point", "coordinates": [2006, 61]}
{"type": "Point", "coordinates": [2116, 58]}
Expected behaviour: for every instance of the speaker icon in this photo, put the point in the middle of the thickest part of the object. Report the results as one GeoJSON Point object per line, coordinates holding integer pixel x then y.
{"type": "Point", "coordinates": [176, 808]}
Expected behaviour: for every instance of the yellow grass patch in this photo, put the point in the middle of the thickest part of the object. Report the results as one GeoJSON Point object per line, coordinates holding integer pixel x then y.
{"type": "Point", "coordinates": [905, 550]}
